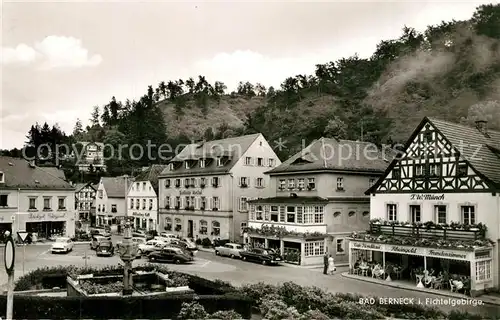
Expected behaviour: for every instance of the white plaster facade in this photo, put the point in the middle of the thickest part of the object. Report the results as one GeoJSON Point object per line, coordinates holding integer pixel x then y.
{"type": "Point", "coordinates": [142, 203]}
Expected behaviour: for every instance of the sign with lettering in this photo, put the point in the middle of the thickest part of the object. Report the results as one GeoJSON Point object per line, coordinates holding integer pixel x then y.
{"type": "Point", "coordinates": [190, 193]}
{"type": "Point", "coordinates": [461, 255]}
{"type": "Point", "coordinates": [57, 215]}
{"type": "Point", "coordinates": [140, 214]}
{"type": "Point", "coordinates": [483, 254]}
{"type": "Point", "coordinates": [406, 250]}
{"type": "Point", "coordinates": [423, 196]}
{"type": "Point", "coordinates": [36, 216]}
{"type": "Point", "coordinates": [366, 246]}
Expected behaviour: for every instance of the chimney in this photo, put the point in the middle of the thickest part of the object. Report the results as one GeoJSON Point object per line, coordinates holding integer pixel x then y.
{"type": "Point", "coordinates": [482, 126]}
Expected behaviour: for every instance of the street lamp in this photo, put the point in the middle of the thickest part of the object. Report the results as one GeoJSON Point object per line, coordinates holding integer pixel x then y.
{"type": "Point", "coordinates": [128, 252]}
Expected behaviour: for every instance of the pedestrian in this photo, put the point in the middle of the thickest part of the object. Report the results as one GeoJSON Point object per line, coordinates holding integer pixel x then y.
{"type": "Point", "coordinates": [331, 265]}
{"type": "Point", "coordinates": [325, 263]}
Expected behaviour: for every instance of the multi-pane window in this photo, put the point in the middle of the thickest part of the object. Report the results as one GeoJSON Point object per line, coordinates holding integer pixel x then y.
{"type": "Point", "coordinates": [434, 170]}
{"type": "Point", "coordinates": [215, 181]}
{"type": "Point", "coordinates": [167, 202]}
{"type": "Point", "coordinates": [308, 215]}
{"type": "Point", "coordinates": [440, 214]}
{"type": "Point", "coordinates": [415, 213]}
{"type": "Point", "coordinates": [243, 205]}
{"type": "Point", "coordinates": [187, 201]}
{"type": "Point", "coordinates": [113, 208]}
{"type": "Point", "coordinates": [131, 203]}
{"type": "Point", "coordinates": [177, 202]}
{"type": "Point", "coordinates": [192, 182]}
{"type": "Point", "coordinates": [311, 183]}
{"type": "Point", "coordinates": [150, 204]}
{"type": "Point", "coordinates": [314, 248]}
{"type": "Point", "coordinates": [32, 203]}
{"type": "Point", "coordinates": [396, 173]}
{"type": "Point", "coordinates": [186, 183]}
{"type": "Point", "coordinates": [291, 183]}
{"type": "Point", "coordinates": [483, 270]}
{"type": "Point", "coordinates": [259, 182]}
{"type": "Point", "coordinates": [243, 182]}
{"type": "Point", "coordinates": [62, 203]}
{"type": "Point", "coordinates": [168, 224]}
{"type": "Point", "coordinates": [300, 183]}
{"type": "Point", "coordinates": [462, 170]}
{"type": "Point", "coordinates": [203, 227]}
{"type": "Point", "coordinates": [203, 204]}
{"type": "Point", "coordinates": [419, 170]}
{"type": "Point", "coordinates": [271, 162]}
{"type": "Point", "coordinates": [178, 224]}
{"type": "Point", "coordinates": [259, 213]}
{"type": "Point", "coordinates": [290, 214]}
{"type": "Point", "coordinates": [137, 203]}
{"type": "Point", "coordinates": [46, 203]}
{"type": "Point", "coordinates": [202, 163]}
{"type": "Point", "coordinates": [318, 214]}
{"type": "Point", "coordinates": [340, 183]}
{"type": "Point", "coordinates": [392, 212]}
{"type": "Point", "coordinates": [177, 183]}
{"type": "Point", "coordinates": [266, 213]}
{"type": "Point", "coordinates": [143, 204]}
{"type": "Point", "coordinates": [274, 214]}
{"type": "Point", "coordinates": [219, 162]}
{"type": "Point", "coordinates": [216, 203]}
{"type": "Point", "coordinates": [468, 214]}
{"type": "Point", "coordinates": [248, 161]}
{"type": "Point", "coordinates": [216, 228]}
{"type": "Point", "coordinates": [282, 184]}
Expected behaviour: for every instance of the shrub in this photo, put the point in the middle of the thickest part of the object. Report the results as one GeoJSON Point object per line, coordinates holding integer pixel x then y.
{"type": "Point", "coordinates": [192, 310]}
{"type": "Point", "coordinates": [90, 287]}
{"type": "Point", "coordinates": [314, 315]}
{"type": "Point", "coordinates": [43, 278]}
{"type": "Point", "coordinates": [226, 315]}
{"type": "Point", "coordinates": [458, 315]}
{"type": "Point", "coordinates": [198, 242]}
{"type": "Point", "coordinates": [257, 291]}
{"type": "Point", "coordinates": [206, 243]}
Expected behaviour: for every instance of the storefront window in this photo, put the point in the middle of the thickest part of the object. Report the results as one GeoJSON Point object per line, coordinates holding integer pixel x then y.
{"type": "Point", "coordinates": [483, 270]}
{"type": "Point", "coordinates": [215, 228]}
{"type": "Point", "coordinates": [203, 227]}
{"type": "Point", "coordinates": [178, 224]}
{"type": "Point", "coordinates": [168, 224]}
{"type": "Point", "coordinates": [314, 248]}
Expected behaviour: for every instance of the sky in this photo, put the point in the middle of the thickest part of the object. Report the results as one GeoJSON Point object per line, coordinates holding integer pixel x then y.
{"type": "Point", "coordinates": [60, 59]}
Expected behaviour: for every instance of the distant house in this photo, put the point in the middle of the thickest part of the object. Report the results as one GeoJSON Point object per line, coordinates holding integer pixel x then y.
{"type": "Point", "coordinates": [110, 200]}
{"type": "Point", "coordinates": [85, 195]}
{"type": "Point", "coordinates": [142, 198]}
{"type": "Point", "coordinates": [35, 199]}
{"type": "Point", "coordinates": [91, 156]}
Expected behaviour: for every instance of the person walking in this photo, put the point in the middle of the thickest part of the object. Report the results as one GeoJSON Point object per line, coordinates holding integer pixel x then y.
{"type": "Point", "coordinates": [325, 263]}
{"type": "Point", "coordinates": [331, 265]}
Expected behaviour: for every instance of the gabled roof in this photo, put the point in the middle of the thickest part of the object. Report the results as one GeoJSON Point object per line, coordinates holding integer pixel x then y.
{"type": "Point", "coordinates": [116, 187]}
{"type": "Point", "coordinates": [232, 148]}
{"type": "Point", "coordinates": [337, 155]}
{"type": "Point", "coordinates": [481, 151]}
{"type": "Point", "coordinates": [151, 174]}
{"type": "Point", "coordinates": [18, 173]}
{"type": "Point", "coordinates": [55, 172]}
{"type": "Point", "coordinates": [80, 186]}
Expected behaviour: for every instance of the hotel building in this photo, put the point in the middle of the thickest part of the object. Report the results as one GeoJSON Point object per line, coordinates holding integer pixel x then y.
{"type": "Point", "coordinates": [204, 190]}
{"type": "Point", "coordinates": [438, 205]}
{"type": "Point", "coordinates": [317, 200]}
{"type": "Point", "coordinates": [110, 201]}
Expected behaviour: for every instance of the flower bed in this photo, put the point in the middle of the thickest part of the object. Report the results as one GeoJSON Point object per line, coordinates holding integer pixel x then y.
{"type": "Point", "coordinates": [280, 232]}
{"type": "Point", "coordinates": [481, 228]}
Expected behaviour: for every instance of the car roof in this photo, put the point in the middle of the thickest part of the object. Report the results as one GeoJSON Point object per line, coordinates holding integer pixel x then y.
{"type": "Point", "coordinates": [62, 238]}
{"type": "Point", "coordinates": [232, 243]}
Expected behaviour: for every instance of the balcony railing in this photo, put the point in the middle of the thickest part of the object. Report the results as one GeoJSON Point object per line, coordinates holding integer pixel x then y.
{"type": "Point", "coordinates": [453, 231]}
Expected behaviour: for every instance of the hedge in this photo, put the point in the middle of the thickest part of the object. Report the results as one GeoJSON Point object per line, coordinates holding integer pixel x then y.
{"type": "Point", "coordinates": [140, 307]}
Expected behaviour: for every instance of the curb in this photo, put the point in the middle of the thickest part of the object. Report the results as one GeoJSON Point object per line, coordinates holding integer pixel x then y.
{"type": "Point", "coordinates": [484, 298]}
{"type": "Point", "coordinates": [48, 243]}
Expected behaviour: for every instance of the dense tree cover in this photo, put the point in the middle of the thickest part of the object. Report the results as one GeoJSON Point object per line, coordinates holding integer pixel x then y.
{"type": "Point", "coordinates": [450, 70]}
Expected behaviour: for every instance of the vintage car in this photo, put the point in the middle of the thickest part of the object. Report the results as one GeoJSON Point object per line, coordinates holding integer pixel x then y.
{"type": "Point", "coordinates": [168, 235]}
{"type": "Point", "coordinates": [105, 248]}
{"type": "Point", "coordinates": [261, 255]}
{"type": "Point", "coordinates": [62, 245]}
{"type": "Point", "coordinates": [229, 250]}
{"type": "Point", "coordinates": [97, 239]}
{"type": "Point", "coordinates": [170, 254]}
{"type": "Point", "coordinates": [149, 246]}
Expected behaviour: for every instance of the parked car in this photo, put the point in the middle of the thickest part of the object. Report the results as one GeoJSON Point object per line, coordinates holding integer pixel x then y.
{"type": "Point", "coordinates": [97, 239]}
{"type": "Point", "coordinates": [100, 232]}
{"type": "Point", "coordinates": [139, 234]}
{"type": "Point", "coordinates": [175, 255]}
{"type": "Point", "coordinates": [229, 250]}
{"type": "Point", "coordinates": [264, 256]}
{"type": "Point", "coordinates": [105, 248]}
{"type": "Point", "coordinates": [149, 246]}
{"type": "Point", "coordinates": [183, 244]}
{"type": "Point", "coordinates": [220, 242]}
{"type": "Point", "coordinates": [190, 245]}
{"type": "Point", "coordinates": [62, 245]}
{"type": "Point", "coordinates": [168, 235]}
{"type": "Point", "coordinates": [137, 241]}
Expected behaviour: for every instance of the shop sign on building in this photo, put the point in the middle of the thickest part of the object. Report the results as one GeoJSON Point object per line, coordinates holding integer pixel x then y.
{"type": "Point", "coordinates": [36, 216]}
{"type": "Point", "coordinates": [140, 214]}
{"type": "Point", "coordinates": [423, 196]}
{"type": "Point", "coordinates": [366, 246]}
{"type": "Point", "coordinates": [452, 254]}
{"type": "Point", "coordinates": [406, 250]}
{"type": "Point", "coordinates": [191, 193]}
{"type": "Point", "coordinates": [57, 215]}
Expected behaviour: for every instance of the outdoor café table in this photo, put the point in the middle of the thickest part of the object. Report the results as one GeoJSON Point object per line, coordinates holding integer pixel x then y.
{"type": "Point", "coordinates": [364, 269]}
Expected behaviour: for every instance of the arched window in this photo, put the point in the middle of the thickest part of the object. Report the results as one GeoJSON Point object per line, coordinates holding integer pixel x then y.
{"type": "Point", "coordinates": [336, 214]}
{"type": "Point", "coordinates": [366, 213]}
{"type": "Point", "coordinates": [168, 224]}
{"type": "Point", "coordinates": [215, 228]}
{"type": "Point", "coordinates": [203, 227]}
{"type": "Point", "coordinates": [178, 224]}
{"type": "Point", "coordinates": [351, 213]}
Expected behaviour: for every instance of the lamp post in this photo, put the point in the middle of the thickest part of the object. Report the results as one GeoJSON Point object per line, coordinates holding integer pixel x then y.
{"type": "Point", "coordinates": [128, 252]}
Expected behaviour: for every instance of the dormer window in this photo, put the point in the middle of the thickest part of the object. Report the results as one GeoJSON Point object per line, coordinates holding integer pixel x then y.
{"type": "Point", "coordinates": [186, 164]}
{"type": "Point", "coordinates": [291, 184]}
{"type": "Point", "coordinates": [171, 166]}
{"type": "Point", "coordinates": [340, 183]}
{"type": "Point", "coordinates": [219, 162]}
{"type": "Point", "coordinates": [2, 177]}
{"type": "Point", "coordinates": [202, 163]}
{"type": "Point", "coordinates": [428, 137]}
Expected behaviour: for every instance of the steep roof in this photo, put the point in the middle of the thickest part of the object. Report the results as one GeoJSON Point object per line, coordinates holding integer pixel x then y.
{"type": "Point", "coordinates": [232, 148]}
{"type": "Point", "coordinates": [80, 186]}
{"type": "Point", "coordinates": [115, 186]}
{"type": "Point", "coordinates": [18, 173]}
{"type": "Point", "coordinates": [480, 150]}
{"type": "Point", "coordinates": [55, 172]}
{"type": "Point", "coordinates": [151, 174]}
{"type": "Point", "coordinates": [337, 155]}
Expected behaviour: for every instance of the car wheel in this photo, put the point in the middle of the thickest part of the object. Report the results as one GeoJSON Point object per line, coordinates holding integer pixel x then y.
{"type": "Point", "coordinates": [177, 261]}
{"type": "Point", "coordinates": [232, 256]}
{"type": "Point", "coordinates": [264, 262]}
{"type": "Point", "coordinates": [244, 258]}
{"type": "Point", "coordinates": [217, 253]}
{"type": "Point", "coordinates": [151, 258]}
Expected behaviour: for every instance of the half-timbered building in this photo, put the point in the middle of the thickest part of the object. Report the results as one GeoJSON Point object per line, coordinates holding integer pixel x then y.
{"type": "Point", "coordinates": [438, 204]}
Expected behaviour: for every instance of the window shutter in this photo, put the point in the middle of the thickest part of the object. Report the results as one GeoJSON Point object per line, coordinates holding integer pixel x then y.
{"type": "Point", "coordinates": [211, 203]}
{"type": "Point", "coordinates": [239, 181]}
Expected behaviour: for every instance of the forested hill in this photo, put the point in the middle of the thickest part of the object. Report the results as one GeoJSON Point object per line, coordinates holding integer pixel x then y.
{"type": "Point", "coordinates": [450, 71]}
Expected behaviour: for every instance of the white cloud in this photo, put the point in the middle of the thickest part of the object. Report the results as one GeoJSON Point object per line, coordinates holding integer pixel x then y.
{"type": "Point", "coordinates": [20, 54]}
{"type": "Point", "coordinates": [54, 52]}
